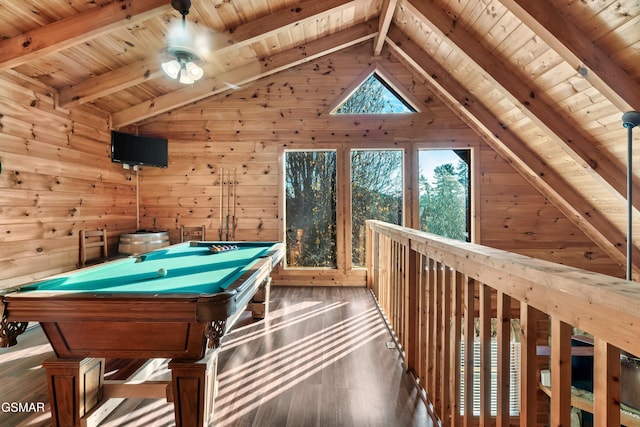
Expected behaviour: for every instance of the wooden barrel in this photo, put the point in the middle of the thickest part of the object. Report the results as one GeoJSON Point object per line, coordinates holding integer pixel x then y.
{"type": "Point", "coordinates": [143, 241]}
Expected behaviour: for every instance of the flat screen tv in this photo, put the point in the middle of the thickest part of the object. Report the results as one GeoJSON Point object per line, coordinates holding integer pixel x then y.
{"type": "Point", "coordinates": [139, 150]}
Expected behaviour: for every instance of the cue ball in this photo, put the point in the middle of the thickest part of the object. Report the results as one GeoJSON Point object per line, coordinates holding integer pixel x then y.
{"type": "Point", "coordinates": [162, 272]}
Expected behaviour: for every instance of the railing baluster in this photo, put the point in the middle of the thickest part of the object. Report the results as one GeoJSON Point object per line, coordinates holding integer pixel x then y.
{"type": "Point", "coordinates": [433, 290]}
{"type": "Point", "coordinates": [469, 338]}
{"type": "Point", "coordinates": [560, 373]}
{"type": "Point", "coordinates": [437, 337]}
{"type": "Point", "coordinates": [504, 353]}
{"type": "Point", "coordinates": [455, 340]}
{"type": "Point", "coordinates": [485, 355]}
{"type": "Point", "coordinates": [431, 317]}
{"type": "Point", "coordinates": [404, 316]}
{"type": "Point", "coordinates": [424, 320]}
{"type": "Point", "coordinates": [606, 383]}
{"type": "Point", "coordinates": [528, 365]}
{"type": "Point", "coordinates": [413, 312]}
{"type": "Point", "coordinates": [445, 328]}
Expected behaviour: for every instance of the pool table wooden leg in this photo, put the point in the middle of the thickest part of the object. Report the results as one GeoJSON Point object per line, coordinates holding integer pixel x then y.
{"type": "Point", "coordinates": [259, 304]}
{"type": "Point", "coordinates": [75, 387]}
{"type": "Point", "coordinates": [194, 386]}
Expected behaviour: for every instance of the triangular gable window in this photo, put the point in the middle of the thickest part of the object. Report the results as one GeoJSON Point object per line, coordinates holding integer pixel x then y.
{"type": "Point", "coordinates": [374, 96]}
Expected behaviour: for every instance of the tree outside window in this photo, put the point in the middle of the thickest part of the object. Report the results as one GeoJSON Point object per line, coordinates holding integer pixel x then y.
{"type": "Point", "coordinates": [311, 208]}
{"type": "Point", "coordinates": [376, 193]}
{"type": "Point", "coordinates": [444, 193]}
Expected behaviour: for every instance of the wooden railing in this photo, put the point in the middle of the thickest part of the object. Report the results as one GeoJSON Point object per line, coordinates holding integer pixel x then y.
{"type": "Point", "coordinates": [433, 290]}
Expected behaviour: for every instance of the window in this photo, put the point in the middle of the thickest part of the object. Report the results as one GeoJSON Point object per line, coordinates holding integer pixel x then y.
{"type": "Point", "coordinates": [310, 208]}
{"type": "Point", "coordinates": [445, 193]}
{"type": "Point", "coordinates": [376, 193]}
{"type": "Point", "coordinates": [375, 96]}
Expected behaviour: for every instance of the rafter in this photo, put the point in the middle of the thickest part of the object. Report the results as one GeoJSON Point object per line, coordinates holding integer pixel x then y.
{"type": "Point", "coordinates": [76, 29]}
{"type": "Point", "coordinates": [110, 82]}
{"type": "Point", "coordinates": [502, 140]}
{"type": "Point", "coordinates": [528, 98]}
{"type": "Point", "coordinates": [387, 11]}
{"type": "Point", "coordinates": [248, 73]}
{"type": "Point", "coordinates": [579, 51]}
{"type": "Point", "coordinates": [236, 38]}
{"type": "Point", "coordinates": [288, 17]}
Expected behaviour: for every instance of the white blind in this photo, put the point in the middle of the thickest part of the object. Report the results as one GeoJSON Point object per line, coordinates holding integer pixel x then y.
{"type": "Point", "coordinates": [514, 380]}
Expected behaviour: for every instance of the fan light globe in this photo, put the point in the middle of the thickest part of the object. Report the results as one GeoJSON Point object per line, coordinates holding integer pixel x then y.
{"type": "Point", "coordinates": [194, 71]}
{"type": "Point", "coordinates": [171, 68]}
{"type": "Point", "coordinates": [185, 79]}
{"type": "Point", "coordinates": [183, 68]}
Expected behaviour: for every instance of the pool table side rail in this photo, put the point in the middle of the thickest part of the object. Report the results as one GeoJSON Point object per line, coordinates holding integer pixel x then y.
{"type": "Point", "coordinates": [67, 308]}
{"type": "Point", "coordinates": [48, 306]}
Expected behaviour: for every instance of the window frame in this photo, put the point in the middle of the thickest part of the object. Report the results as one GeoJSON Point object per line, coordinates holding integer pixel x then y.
{"type": "Point", "coordinates": [410, 215]}
{"type": "Point", "coordinates": [284, 206]}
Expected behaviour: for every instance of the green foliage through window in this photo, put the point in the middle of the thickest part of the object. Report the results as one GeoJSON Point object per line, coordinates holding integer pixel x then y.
{"type": "Point", "coordinates": [444, 193]}
{"type": "Point", "coordinates": [376, 193]}
{"type": "Point", "coordinates": [311, 208]}
{"type": "Point", "coordinates": [375, 96]}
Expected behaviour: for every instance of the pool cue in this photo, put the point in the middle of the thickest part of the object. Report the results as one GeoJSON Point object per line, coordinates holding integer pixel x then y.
{"type": "Point", "coordinates": [228, 199]}
{"type": "Point", "coordinates": [221, 183]}
{"type": "Point", "coordinates": [233, 208]}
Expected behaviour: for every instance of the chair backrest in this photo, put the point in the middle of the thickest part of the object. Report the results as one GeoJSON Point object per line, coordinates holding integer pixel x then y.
{"type": "Point", "coordinates": [191, 233]}
{"type": "Point", "coordinates": [89, 240]}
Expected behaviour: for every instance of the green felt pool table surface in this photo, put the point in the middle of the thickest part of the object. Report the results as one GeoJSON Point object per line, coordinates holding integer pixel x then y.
{"type": "Point", "coordinates": [179, 269]}
{"type": "Point", "coordinates": [124, 308]}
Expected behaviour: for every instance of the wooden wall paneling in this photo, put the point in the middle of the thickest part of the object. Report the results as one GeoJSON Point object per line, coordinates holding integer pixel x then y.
{"type": "Point", "coordinates": [57, 178]}
{"type": "Point", "coordinates": [233, 135]}
{"type": "Point", "coordinates": [246, 129]}
{"type": "Point", "coordinates": [513, 215]}
{"type": "Point", "coordinates": [249, 128]}
{"type": "Point", "coordinates": [187, 192]}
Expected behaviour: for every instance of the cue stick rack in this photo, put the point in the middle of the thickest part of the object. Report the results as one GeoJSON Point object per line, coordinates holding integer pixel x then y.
{"type": "Point", "coordinates": [227, 218]}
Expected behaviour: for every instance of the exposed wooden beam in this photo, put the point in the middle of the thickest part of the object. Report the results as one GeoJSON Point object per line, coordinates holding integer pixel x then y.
{"type": "Point", "coordinates": [387, 10]}
{"type": "Point", "coordinates": [241, 36]}
{"type": "Point", "coordinates": [76, 29]}
{"type": "Point", "coordinates": [528, 98]}
{"type": "Point", "coordinates": [251, 72]}
{"type": "Point", "coordinates": [578, 50]}
{"type": "Point", "coordinates": [508, 145]}
{"type": "Point", "coordinates": [288, 17]}
{"type": "Point", "coordinates": [110, 82]}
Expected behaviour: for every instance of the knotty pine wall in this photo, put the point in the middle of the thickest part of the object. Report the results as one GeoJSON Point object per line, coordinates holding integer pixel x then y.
{"type": "Point", "coordinates": [56, 179]}
{"type": "Point", "coordinates": [249, 129]}
{"type": "Point", "coordinates": [57, 176]}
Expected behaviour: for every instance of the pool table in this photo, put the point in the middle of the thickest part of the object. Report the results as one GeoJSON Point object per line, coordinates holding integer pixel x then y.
{"type": "Point", "coordinates": [168, 303]}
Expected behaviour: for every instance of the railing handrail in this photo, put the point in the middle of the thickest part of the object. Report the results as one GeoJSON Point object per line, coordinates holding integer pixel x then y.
{"type": "Point", "coordinates": [442, 296]}
{"type": "Point", "coordinates": [611, 305]}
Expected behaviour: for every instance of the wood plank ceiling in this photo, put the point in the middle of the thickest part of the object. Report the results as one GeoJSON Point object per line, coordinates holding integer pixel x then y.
{"type": "Point", "coordinates": [544, 83]}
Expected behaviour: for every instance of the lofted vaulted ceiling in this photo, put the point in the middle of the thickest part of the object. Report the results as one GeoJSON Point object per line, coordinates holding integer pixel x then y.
{"type": "Point", "coordinates": [545, 83]}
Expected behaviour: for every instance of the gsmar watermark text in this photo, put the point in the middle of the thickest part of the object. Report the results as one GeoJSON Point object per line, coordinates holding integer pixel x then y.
{"type": "Point", "coordinates": [22, 407]}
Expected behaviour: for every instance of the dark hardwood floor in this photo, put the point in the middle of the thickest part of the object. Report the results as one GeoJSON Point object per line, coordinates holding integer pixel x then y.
{"type": "Point", "coordinates": [319, 359]}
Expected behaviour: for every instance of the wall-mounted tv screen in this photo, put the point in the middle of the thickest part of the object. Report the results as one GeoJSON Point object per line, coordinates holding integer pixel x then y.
{"type": "Point", "coordinates": [139, 150]}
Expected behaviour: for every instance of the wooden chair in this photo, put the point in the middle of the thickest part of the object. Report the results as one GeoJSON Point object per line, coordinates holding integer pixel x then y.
{"type": "Point", "coordinates": [191, 233]}
{"type": "Point", "coordinates": [90, 239]}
